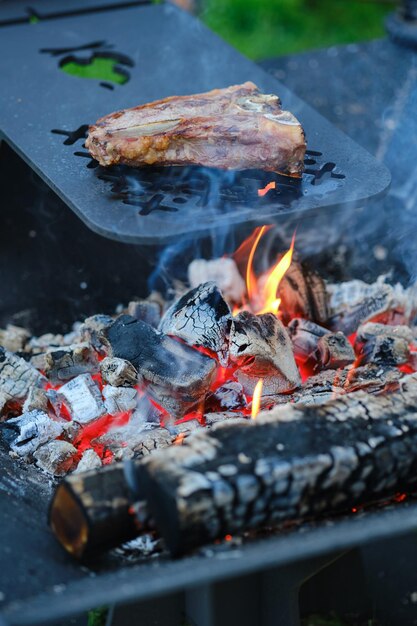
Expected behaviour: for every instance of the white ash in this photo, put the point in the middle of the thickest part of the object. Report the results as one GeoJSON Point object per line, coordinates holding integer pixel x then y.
{"type": "Point", "coordinates": [57, 457]}
{"type": "Point", "coordinates": [118, 372]}
{"type": "Point", "coordinates": [371, 329]}
{"type": "Point", "coordinates": [83, 398]}
{"type": "Point", "coordinates": [13, 338]}
{"type": "Point", "coordinates": [17, 376]}
{"type": "Point", "coordinates": [144, 545]}
{"type": "Point", "coordinates": [90, 460]}
{"type": "Point", "coordinates": [223, 272]}
{"type": "Point", "coordinates": [34, 429]}
{"type": "Point", "coordinates": [119, 399]}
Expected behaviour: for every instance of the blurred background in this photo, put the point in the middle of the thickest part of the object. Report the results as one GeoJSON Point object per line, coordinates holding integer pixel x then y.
{"type": "Point", "coordinates": [267, 28]}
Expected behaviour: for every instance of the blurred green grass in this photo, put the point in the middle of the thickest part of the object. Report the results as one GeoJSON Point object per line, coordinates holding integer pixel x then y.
{"type": "Point", "coordinates": [267, 28]}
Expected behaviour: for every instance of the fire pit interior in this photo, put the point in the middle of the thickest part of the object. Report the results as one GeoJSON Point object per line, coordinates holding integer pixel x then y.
{"type": "Point", "coordinates": [235, 382]}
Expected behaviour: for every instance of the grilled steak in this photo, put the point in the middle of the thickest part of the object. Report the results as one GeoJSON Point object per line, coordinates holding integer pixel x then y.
{"type": "Point", "coordinates": [233, 128]}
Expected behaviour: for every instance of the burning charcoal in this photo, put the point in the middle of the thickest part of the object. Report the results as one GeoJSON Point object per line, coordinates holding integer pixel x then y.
{"type": "Point", "coordinates": [56, 457]}
{"type": "Point", "coordinates": [83, 398]}
{"type": "Point", "coordinates": [13, 338]}
{"type": "Point", "coordinates": [371, 330]}
{"type": "Point", "coordinates": [16, 376]}
{"type": "Point", "coordinates": [223, 272]}
{"type": "Point", "coordinates": [303, 294]}
{"type": "Point", "coordinates": [119, 399]}
{"type": "Point", "coordinates": [26, 433]}
{"type": "Point", "coordinates": [262, 347]}
{"type": "Point", "coordinates": [36, 400]}
{"type": "Point", "coordinates": [154, 439]}
{"type": "Point", "coordinates": [90, 460]}
{"type": "Point", "coordinates": [305, 336]}
{"type": "Point", "coordinates": [355, 302]}
{"type": "Point", "coordinates": [201, 318]}
{"type": "Point", "coordinates": [334, 351]}
{"type": "Point", "coordinates": [145, 310]}
{"type": "Point", "coordinates": [69, 362]}
{"type": "Point", "coordinates": [118, 372]}
{"type": "Point", "coordinates": [229, 396]}
{"type": "Point", "coordinates": [176, 376]}
{"type": "Point", "coordinates": [93, 327]}
{"type": "Point", "coordinates": [383, 345]}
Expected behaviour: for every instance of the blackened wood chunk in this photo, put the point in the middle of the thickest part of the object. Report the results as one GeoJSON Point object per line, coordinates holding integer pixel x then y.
{"type": "Point", "coordinates": [201, 317]}
{"type": "Point", "coordinates": [305, 336]}
{"type": "Point", "coordinates": [83, 398]}
{"type": "Point", "coordinates": [17, 376]}
{"type": "Point", "coordinates": [26, 433]}
{"type": "Point", "coordinates": [303, 294]}
{"type": "Point", "coordinates": [118, 372]}
{"type": "Point", "coordinates": [69, 362]}
{"type": "Point", "coordinates": [260, 345]}
{"type": "Point", "coordinates": [334, 351]}
{"type": "Point", "coordinates": [36, 400]}
{"type": "Point", "coordinates": [289, 463]}
{"type": "Point", "coordinates": [383, 345]}
{"type": "Point", "coordinates": [57, 457]}
{"type": "Point", "coordinates": [176, 376]}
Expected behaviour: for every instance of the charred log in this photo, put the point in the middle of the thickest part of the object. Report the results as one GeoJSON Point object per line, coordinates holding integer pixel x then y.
{"type": "Point", "coordinates": [383, 345]}
{"type": "Point", "coordinates": [290, 463]}
{"type": "Point", "coordinates": [260, 345]}
{"type": "Point", "coordinates": [91, 510]}
{"type": "Point", "coordinates": [93, 327]}
{"type": "Point", "coordinates": [201, 317]}
{"type": "Point", "coordinates": [147, 311]}
{"type": "Point", "coordinates": [175, 376]}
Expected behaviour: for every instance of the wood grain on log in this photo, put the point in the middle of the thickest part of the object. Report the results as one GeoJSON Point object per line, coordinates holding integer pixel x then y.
{"type": "Point", "coordinates": [303, 294]}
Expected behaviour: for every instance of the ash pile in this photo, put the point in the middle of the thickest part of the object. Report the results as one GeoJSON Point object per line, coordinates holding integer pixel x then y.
{"type": "Point", "coordinates": [119, 387]}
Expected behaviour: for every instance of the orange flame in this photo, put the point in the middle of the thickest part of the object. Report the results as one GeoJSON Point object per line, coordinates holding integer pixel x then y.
{"type": "Point", "coordinates": [269, 295]}
{"type": "Point", "coordinates": [256, 399]}
{"type": "Point", "coordinates": [262, 290]}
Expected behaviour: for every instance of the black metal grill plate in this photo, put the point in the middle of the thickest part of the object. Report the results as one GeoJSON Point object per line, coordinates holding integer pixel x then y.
{"type": "Point", "coordinates": [168, 53]}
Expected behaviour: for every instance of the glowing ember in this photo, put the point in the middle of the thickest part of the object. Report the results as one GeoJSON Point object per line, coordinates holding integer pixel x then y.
{"type": "Point", "coordinates": [268, 187]}
{"type": "Point", "coordinates": [256, 400]}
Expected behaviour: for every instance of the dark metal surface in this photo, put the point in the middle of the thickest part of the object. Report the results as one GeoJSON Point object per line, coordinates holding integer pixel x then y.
{"type": "Point", "coordinates": [169, 53]}
{"type": "Point", "coordinates": [20, 11]}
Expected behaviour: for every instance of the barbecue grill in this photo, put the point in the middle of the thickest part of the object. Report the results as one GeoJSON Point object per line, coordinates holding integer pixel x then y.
{"type": "Point", "coordinates": [223, 585]}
